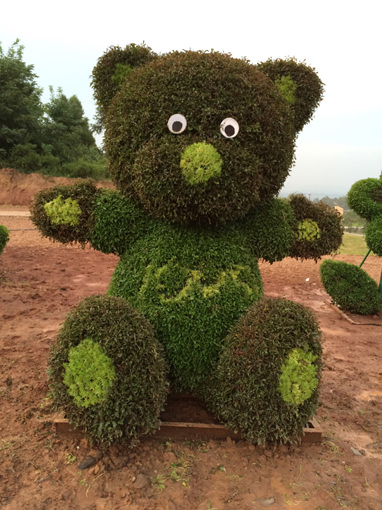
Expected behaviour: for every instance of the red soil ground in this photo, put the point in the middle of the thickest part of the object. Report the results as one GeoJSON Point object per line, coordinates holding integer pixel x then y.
{"type": "Point", "coordinates": [40, 282]}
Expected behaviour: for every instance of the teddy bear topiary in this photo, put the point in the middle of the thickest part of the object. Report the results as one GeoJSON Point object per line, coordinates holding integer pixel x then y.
{"type": "Point", "coordinates": [199, 145]}
{"type": "Point", "coordinates": [350, 287]}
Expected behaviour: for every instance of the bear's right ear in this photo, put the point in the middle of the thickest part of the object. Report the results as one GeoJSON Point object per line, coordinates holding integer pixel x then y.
{"type": "Point", "coordinates": [112, 69]}
{"type": "Point", "coordinates": [298, 83]}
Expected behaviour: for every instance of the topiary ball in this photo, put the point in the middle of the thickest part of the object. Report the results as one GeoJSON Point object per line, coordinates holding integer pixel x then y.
{"type": "Point", "coordinates": [350, 287]}
{"type": "Point", "coordinates": [4, 236]}
{"type": "Point", "coordinates": [107, 371]}
{"type": "Point", "coordinates": [266, 381]}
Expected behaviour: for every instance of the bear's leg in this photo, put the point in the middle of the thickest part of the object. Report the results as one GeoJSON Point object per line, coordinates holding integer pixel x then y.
{"type": "Point", "coordinates": [266, 381]}
{"type": "Point", "coordinates": [107, 371]}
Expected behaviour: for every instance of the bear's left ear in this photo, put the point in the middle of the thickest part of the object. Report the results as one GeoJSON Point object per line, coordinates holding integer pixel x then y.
{"type": "Point", "coordinates": [112, 69]}
{"type": "Point", "coordinates": [298, 83]}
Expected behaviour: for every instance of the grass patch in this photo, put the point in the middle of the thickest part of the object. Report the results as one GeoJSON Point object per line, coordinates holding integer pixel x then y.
{"type": "Point", "coordinates": [353, 244]}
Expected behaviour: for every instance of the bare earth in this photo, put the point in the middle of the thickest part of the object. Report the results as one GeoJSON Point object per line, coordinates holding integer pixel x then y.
{"type": "Point", "coordinates": [40, 282]}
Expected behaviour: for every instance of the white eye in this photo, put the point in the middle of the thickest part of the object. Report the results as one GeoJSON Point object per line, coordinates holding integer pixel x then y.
{"type": "Point", "coordinates": [229, 127]}
{"type": "Point", "coordinates": [177, 123]}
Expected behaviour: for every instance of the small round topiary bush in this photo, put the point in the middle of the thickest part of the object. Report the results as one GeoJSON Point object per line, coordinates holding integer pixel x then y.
{"type": "Point", "coordinates": [266, 381]}
{"type": "Point", "coordinates": [107, 371]}
{"type": "Point", "coordinates": [4, 236]}
{"type": "Point", "coordinates": [350, 287]}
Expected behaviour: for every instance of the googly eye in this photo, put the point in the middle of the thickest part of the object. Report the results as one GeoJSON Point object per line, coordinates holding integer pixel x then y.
{"type": "Point", "coordinates": [177, 123]}
{"type": "Point", "coordinates": [229, 128]}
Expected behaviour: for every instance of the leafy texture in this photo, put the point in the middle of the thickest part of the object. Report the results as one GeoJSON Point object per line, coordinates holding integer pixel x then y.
{"type": "Point", "coordinates": [4, 237]}
{"type": "Point", "coordinates": [89, 374]}
{"type": "Point", "coordinates": [127, 404]}
{"type": "Point", "coordinates": [193, 285]}
{"type": "Point", "coordinates": [299, 84]}
{"type": "Point", "coordinates": [319, 229]}
{"type": "Point", "coordinates": [65, 213]}
{"type": "Point", "coordinates": [145, 157]}
{"type": "Point", "coordinates": [351, 287]}
{"type": "Point", "coordinates": [266, 381]}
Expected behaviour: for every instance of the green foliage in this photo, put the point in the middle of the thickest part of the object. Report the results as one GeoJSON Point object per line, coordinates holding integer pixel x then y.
{"type": "Point", "coordinates": [21, 109]}
{"type": "Point", "coordinates": [271, 230]}
{"type": "Point", "coordinates": [63, 212]}
{"type": "Point", "coordinates": [365, 198]}
{"type": "Point", "coordinates": [308, 91]}
{"type": "Point", "coordinates": [145, 156]}
{"type": "Point", "coordinates": [133, 402]}
{"type": "Point", "coordinates": [200, 162]}
{"type": "Point", "coordinates": [118, 223]}
{"type": "Point", "coordinates": [54, 138]}
{"type": "Point", "coordinates": [193, 285]}
{"type": "Point", "coordinates": [308, 230]}
{"type": "Point", "coordinates": [256, 360]}
{"type": "Point", "coordinates": [80, 197]}
{"type": "Point", "coordinates": [312, 216]}
{"type": "Point", "coordinates": [287, 87]}
{"type": "Point", "coordinates": [110, 72]}
{"type": "Point", "coordinates": [350, 287]}
{"type": "Point", "coordinates": [89, 374]}
{"type": "Point", "coordinates": [298, 379]}
{"type": "Point", "coordinates": [374, 235]}
{"type": "Point", "coordinates": [4, 237]}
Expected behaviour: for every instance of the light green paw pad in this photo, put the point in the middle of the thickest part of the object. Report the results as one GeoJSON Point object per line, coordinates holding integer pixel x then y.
{"type": "Point", "coordinates": [63, 212]}
{"type": "Point", "coordinates": [298, 378]}
{"type": "Point", "coordinates": [308, 230]}
{"type": "Point", "coordinates": [89, 374]}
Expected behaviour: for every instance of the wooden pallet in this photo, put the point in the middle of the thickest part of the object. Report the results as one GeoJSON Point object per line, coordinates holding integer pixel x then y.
{"type": "Point", "coordinates": [312, 434]}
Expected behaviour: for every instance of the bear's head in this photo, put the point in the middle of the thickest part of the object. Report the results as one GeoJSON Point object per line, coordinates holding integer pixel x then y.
{"type": "Point", "coordinates": [201, 137]}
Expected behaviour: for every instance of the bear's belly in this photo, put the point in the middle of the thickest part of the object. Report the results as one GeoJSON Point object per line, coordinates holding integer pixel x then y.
{"type": "Point", "coordinates": [191, 308]}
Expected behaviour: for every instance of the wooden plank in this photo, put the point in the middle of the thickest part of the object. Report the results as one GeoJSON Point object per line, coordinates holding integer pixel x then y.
{"type": "Point", "coordinates": [312, 434]}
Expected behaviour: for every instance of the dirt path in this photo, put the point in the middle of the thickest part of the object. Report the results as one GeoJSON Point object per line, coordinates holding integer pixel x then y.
{"type": "Point", "coordinates": [41, 281]}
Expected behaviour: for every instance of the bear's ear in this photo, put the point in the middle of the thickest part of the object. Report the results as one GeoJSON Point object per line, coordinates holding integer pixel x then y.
{"type": "Point", "coordinates": [113, 68]}
{"type": "Point", "coordinates": [299, 84]}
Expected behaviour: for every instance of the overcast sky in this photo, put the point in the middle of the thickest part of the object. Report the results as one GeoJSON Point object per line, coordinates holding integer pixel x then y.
{"type": "Point", "coordinates": [341, 39]}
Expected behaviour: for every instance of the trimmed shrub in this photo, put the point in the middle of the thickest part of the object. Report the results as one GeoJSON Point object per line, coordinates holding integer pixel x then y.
{"type": "Point", "coordinates": [271, 229]}
{"type": "Point", "coordinates": [4, 237]}
{"type": "Point", "coordinates": [118, 223]}
{"type": "Point", "coordinates": [65, 213]}
{"type": "Point", "coordinates": [192, 285]}
{"type": "Point", "coordinates": [266, 382]}
{"type": "Point", "coordinates": [299, 84]}
{"type": "Point", "coordinates": [111, 71]}
{"type": "Point", "coordinates": [365, 198]}
{"type": "Point", "coordinates": [145, 156]}
{"type": "Point", "coordinates": [350, 287]}
{"type": "Point", "coordinates": [319, 231]}
{"type": "Point", "coordinates": [107, 371]}
{"type": "Point", "coordinates": [374, 235]}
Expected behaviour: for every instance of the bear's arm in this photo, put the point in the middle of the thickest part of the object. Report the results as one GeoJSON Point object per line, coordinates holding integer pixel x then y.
{"type": "Point", "coordinates": [294, 227]}
{"type": "Point", "coordinates": [319, 229]}
{"type": "Point", "coordinates": [81, 213]}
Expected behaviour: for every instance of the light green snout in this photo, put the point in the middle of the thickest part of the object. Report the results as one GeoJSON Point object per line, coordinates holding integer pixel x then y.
{"type": "Point", "coordinates": [200, 162]}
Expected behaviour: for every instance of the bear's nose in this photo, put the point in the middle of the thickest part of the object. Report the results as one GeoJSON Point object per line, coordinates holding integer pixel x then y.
{"type": "Point", "coordinates": [200, 162]}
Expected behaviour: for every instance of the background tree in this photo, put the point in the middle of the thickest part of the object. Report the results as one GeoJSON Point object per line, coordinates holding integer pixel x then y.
{"type": "Point", "coordinates": [54, 138]}
{"type": "Point", "coordinates": [21, 109]}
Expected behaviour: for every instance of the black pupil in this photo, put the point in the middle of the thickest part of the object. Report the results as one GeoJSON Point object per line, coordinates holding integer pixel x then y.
{"type": "Point", "coordinates": [177, 126]}
{"type": "Point", "coordinates": [229, 130]}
